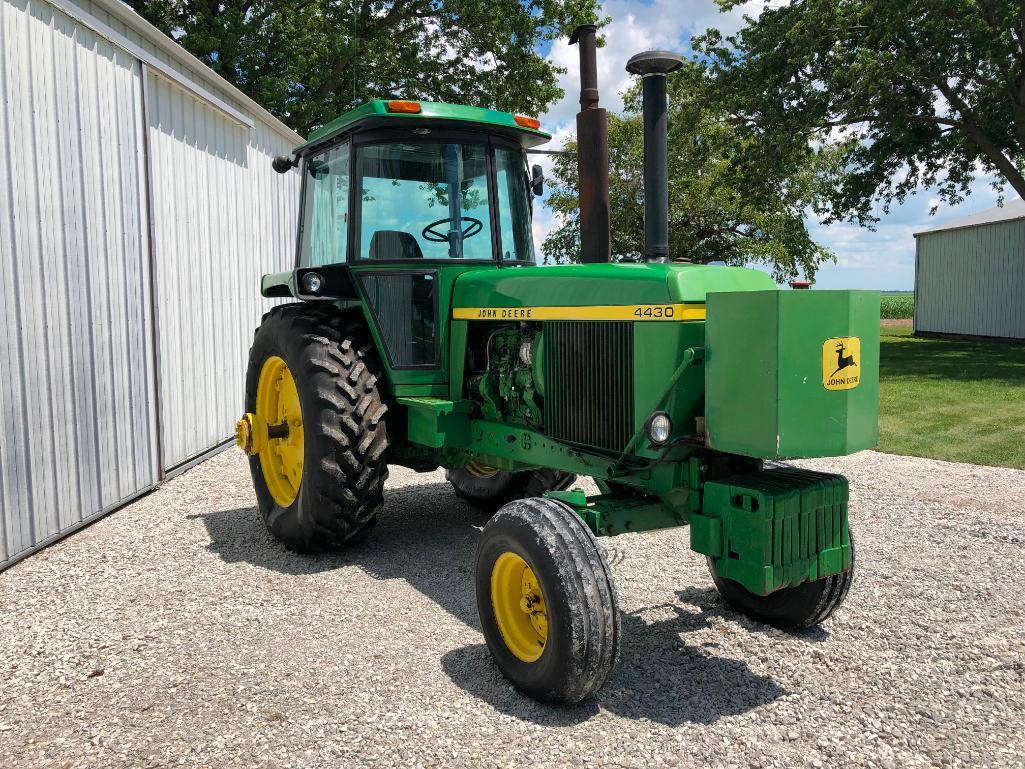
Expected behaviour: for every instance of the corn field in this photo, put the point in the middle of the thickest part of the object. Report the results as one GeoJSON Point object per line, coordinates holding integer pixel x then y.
{"type": "Point", "coordinates": [897, 306]}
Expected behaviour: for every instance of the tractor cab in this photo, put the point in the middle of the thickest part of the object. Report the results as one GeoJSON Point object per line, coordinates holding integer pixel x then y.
{"type": "Point", "coordinates": [398, 199]}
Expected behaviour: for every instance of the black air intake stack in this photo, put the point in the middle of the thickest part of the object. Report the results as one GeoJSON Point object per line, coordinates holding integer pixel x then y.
{"type": "Point", "coordinates": [592, 154]}
{"type": "Point", "coordinates": [653, 66]}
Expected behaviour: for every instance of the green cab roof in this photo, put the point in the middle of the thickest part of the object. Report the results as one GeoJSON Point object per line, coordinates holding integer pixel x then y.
{"type": "Point", "coordinates": [376, 112]}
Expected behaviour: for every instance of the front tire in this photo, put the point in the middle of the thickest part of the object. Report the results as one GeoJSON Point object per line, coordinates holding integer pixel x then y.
{"type": "Point", "coordinates": [792, 608]}
{"type": "Point", "coordinates": [546, 601]}
{"type": "Point", "coordinates": [319, 486]}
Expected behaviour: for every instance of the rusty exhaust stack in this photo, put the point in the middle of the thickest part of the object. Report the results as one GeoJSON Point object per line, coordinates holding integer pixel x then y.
{"type": "Point", "coordinates": [592, 154]}
{"type": "Point", "coordinates": [653, 66]}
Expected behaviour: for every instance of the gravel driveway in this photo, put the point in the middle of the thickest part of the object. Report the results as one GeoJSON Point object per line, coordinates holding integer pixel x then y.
{"type": "Point", "coordinates": [175, 631]}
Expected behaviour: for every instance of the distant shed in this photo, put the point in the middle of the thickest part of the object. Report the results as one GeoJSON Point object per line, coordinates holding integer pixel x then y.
{"type": "Point", "coordinates": [970, 275]}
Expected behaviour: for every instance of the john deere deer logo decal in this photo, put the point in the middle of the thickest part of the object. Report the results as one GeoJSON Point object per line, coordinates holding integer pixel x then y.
{"type": "Point", "coordinates": [840, 363]}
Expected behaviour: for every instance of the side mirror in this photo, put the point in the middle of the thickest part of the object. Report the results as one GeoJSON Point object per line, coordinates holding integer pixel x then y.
{"type": "Point", "coordinates": [283, 164]}
{"type": "Point", "coordinates": [537, 180]}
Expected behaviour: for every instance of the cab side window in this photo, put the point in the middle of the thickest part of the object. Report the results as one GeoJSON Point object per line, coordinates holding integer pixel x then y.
{"type": "Point", "coordinates": [513, 206]}
{"type": "Point", "coordinates": [325, 220]}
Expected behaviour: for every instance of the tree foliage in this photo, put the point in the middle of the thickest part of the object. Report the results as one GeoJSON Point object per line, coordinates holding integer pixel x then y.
{"type": "Point", "coordinates": [307, 61]}
{"type": "Point", "coordinates": [912, 92]}
{"type": "Point", "coordinates": [726, 201]}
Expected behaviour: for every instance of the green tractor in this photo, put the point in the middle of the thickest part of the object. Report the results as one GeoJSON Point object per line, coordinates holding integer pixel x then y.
{"type": "Point", "coordinates": [426, 336]}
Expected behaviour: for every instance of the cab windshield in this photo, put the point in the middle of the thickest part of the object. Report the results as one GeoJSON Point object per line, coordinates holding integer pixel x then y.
{"type": "Point", "coordinates": [417, 200]}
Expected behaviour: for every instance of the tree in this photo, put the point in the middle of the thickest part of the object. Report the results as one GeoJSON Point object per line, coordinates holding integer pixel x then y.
{"type": "Point", "coordinates": [726, 203]}
{"type": "Point", "coordinates": [913, 92]}
{"type": "Point", "coordinates": [307, 61]}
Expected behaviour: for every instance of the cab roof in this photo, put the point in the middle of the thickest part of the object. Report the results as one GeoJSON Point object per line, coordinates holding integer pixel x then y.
{"type": "Point", "coordinates": [375, 114]}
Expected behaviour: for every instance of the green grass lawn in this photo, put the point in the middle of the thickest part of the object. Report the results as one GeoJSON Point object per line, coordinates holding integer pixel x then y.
{"type": "Point", "coordinates": [953, 399]}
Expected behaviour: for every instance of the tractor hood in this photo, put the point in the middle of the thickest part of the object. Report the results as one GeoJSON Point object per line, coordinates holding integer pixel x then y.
{"type": "Point", "coordinates": [598, 285]}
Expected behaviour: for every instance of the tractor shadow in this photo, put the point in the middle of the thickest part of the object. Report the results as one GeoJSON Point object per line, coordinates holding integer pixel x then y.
{"type": "Point", "coordinates": [426, 537]}
{"type": "Point", "coordinates": [660, 678]}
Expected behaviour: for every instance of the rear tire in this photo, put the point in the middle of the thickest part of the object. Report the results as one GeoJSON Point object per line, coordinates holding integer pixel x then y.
{"type": "Point", "coordinates": [539, 567]}
{"type": "Point", "coordinates": [488, 491]}
{"type": "Point", "coordinates": [344, 433]}
{"type": "Point", "coordinates": [792, 608]}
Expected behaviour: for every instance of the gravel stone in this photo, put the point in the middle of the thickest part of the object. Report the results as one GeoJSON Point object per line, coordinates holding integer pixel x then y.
{"type": "Point", "coordinates": [177, 632]}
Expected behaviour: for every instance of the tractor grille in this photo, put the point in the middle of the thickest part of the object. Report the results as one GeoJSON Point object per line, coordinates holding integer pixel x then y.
{"type": "Point", "coordinates": [589, 384]}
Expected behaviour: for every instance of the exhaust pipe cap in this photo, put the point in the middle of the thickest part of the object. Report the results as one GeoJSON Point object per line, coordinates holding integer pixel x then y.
{"type": "Point", "coordinates": [654, 63]}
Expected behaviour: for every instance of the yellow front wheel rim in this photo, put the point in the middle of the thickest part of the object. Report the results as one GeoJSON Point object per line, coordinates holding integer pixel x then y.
{"type": "Point", "coordinates": [281, 457]}
{"type": "Point", "coordinates": [519, 606]}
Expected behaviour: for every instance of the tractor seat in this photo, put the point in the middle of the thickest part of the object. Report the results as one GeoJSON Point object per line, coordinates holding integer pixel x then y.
{"type": "Point", "coordinates": [394, 244]}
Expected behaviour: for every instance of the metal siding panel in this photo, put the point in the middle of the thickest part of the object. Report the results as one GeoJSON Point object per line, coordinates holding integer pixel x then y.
{"type": "Point", "coordinates": [924, 290]}
{"type": "Point", "coordinates": [215, 236]}
{"type": "Point", "coordinates": [990, 260]}
{"type": "Point", "coordinates": [140, 33]}
{"type": "Point", "coordinates": [65, 153]}
{"type": "Point", "coordinates": [75, 404]}
{"type": "Point", "coordinates": [39, 342]}
{"type": "Point", "coordinates": [957, 256]}
{"type": "Point", "coordinates": [85, 219]}
{"type": "Point", "coordinates": [12, 489]}
{"type": "Point", "coordinates": [56, 345]}
{"type": "Point", "coordinates": [1016, 234]}
{"type": "Point", "coordinates": [1014, 246]}
{"type": "Point", "coordinates": [29, 323]}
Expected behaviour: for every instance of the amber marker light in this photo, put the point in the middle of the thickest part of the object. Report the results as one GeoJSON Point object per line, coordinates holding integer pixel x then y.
{"type": "Point", "coordinates": [527, 122]}
{"type": "Point", "coordinates": [409, 107]}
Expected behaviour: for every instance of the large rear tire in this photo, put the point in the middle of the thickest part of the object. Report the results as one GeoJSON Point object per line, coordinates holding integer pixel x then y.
{"type": "Point", "coordinates": [546, 601]}
{"type": "Point", "coordinates": [488, 488]}
{"type": "Point", "coordinates": [792, 608]}
{"type": "Point", "coordinates": [319, 486]}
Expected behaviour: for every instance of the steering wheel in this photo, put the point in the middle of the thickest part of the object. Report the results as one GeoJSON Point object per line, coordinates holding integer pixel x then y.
{"type": "Point", "coordinates": [430, 233]}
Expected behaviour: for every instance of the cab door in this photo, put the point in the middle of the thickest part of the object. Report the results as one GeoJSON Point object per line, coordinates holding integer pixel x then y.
{"type": "Point", "coordinates": [422, 217]}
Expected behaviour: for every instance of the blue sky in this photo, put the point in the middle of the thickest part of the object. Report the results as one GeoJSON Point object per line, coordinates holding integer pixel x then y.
{"type": "Point", "coordinates": [882, 259]}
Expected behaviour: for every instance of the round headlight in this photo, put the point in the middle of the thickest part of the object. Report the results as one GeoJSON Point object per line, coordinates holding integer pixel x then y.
{"type": "Point", "coordinates": [313, 282]}
{"type": "Point", "coordinates": [660, 427]}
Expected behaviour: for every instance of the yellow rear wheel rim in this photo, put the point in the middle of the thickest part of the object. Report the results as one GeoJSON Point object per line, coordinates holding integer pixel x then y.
{"type": "Point", "coordinates": [480, 470]}
{"type": "Point", "coordinates": [519, 605]}
{"type": "Point", "coordinates": [281, 459]}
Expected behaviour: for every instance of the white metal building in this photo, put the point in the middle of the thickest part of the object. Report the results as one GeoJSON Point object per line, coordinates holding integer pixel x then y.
{"type": "Point", "coordinates": [138, 209]}
{"type": "Point", "coordinates": [970, 275]}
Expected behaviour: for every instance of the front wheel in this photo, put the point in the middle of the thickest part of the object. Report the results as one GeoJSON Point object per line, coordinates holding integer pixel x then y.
{"type": "Point", "coordinates": [791, 608]}
{"type": "Point", "coordinates": [546, 601]}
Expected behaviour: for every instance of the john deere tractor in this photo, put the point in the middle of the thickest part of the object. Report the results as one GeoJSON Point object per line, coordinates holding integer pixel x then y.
{"type": "Point", "coordinates": [423, 334]}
